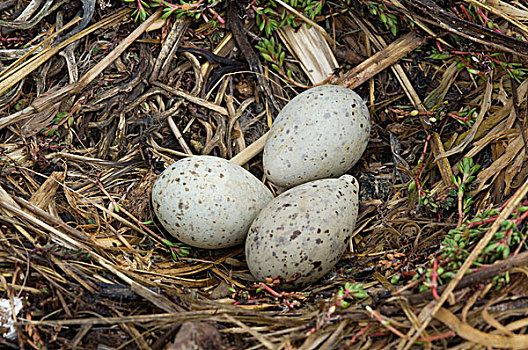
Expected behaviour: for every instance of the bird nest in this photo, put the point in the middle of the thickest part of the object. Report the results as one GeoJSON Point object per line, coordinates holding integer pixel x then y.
{"type": "Point", "coordinates": [94, 105]}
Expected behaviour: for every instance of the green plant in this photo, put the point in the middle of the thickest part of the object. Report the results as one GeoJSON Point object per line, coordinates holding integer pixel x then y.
{"type": "Point", "coordinates": [264, 293]}
{"type": "Point", "coordinates": [389, 19]}
{"type": "Point", "coordinates": [267, 20]}
{"type": "Point", "coordinates": [351, 291]}
{"type": "Point", "coordinates": [458, 243]}
{"type": "Point", "coordinates": [456, 246]}
{"type": "Point", "coordinates": [342, 299]}
{"type": "Point", "coordinates": [270, 15]}
{"type": "Point", "coordinates": [429, 201]}
{"type": "Point", "coordinates": [468, 169]}
{"type": "Point", "coordinates": [177, 250]}
{"type": "Point", "coordinates": [465, 116]}
{"type": "Point", "coordinates": [481, 63]}
{"type": "Point", "coordinates": [514, 69]}
{"type": "Point", "coordinates": [193, 9]}
{"type": "Point", "coordinates": [272, 52]}
{"type": "Point", "coordinates": [447, 198]}
{"type": "Point", "coordinates": [140, 12]}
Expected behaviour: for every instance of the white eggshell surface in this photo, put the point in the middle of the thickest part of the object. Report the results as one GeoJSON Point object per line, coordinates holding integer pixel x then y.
{"type": "Point", "coordinates": [208, 202]}
{"type": "Point", "coordinates": [320, 133]}
{"type": "Point", "coordinates": [304, 231]}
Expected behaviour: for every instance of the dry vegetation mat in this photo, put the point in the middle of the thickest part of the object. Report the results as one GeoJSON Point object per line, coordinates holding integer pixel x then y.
{"type": "Point", "coordinates": [98, 97]}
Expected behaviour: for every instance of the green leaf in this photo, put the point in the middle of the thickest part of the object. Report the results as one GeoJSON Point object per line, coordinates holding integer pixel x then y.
{"type": "Point", "coordinates": [522, 209]}
{"type": "Point", "coordinates": [440, 56]}
{"type": "Point", "coordinates": [506, 252]}
{"type": "Point", "coordinates": [394, 29]}
{"type": "Point", "coordinates": [267, 57]}
{"type": "Point", "coordinates": [506, 224]}
{"type": "Point", "coordinates": [261, 25]}
{"type": "Point", "coordinates": [488, 249]}
{"type": "Point", "coordinates": [268, 29]}
{"type": "Point", "coordinates": [168, 243]}
{"type": "Point", "coordinates": [174, 255]}
{"type": "Point", "coordinates": [395, 279]}
{"type": "Point", "coordinates": [282, 55]}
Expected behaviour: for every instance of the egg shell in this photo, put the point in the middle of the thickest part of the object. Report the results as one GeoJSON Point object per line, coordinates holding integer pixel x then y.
{"type": "Point", "coordinates": [304, 231]}
{"type": "Point", "coordinates": [208, 202]}
{"type": "Point", "coordinates": [320, 133]}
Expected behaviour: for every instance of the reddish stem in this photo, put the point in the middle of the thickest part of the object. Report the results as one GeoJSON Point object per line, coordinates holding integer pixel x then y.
{"type": "Point", "coordinates": [101, 187]}
{"type": "Point", "coordinates": [482, 222]}
{"type": "Point", "coordinates": [437, 337]}
{"type": "Point", "coordinates": [216, 15]}
{"type": "Point", "coordinates": [358, 334]}
{"type": "Point", "coordinates": [462, 7]}
{"type": "Point", "coordinates": [434, 278]}
{"type": "Point", "coordinates": [270, 290]}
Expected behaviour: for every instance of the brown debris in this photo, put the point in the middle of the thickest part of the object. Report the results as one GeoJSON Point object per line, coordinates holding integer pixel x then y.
{"type": "Point", "coordinates": [196, 336]}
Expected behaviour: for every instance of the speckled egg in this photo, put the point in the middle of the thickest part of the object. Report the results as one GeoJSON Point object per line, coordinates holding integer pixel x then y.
{"type": "Point", "coordinates": [320, 133]}
{"type": "Point", "coordinates": [208, 202]}
{"type": "Point", "coordinates": [304, 231]}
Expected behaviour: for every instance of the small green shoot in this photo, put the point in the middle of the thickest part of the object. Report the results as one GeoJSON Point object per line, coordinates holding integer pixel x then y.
{"type": "Point", "coordinates": [351, 291]}
{"type": "Point", "coordinates": [177, 250]}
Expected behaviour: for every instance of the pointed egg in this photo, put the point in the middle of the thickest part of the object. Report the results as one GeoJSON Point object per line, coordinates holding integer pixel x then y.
{"type": "Point", "coordinates": [304, 231]}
